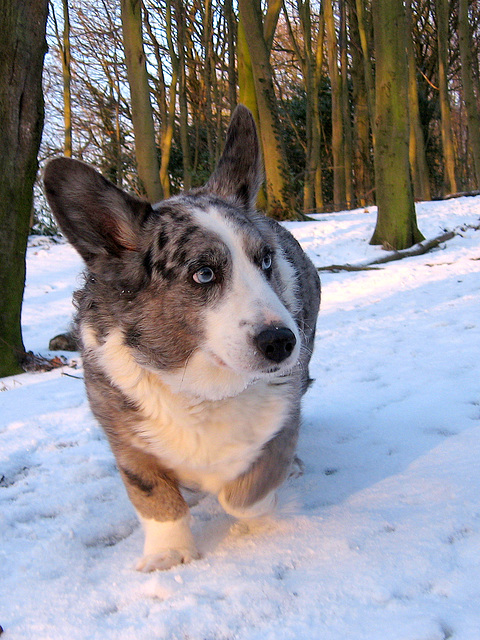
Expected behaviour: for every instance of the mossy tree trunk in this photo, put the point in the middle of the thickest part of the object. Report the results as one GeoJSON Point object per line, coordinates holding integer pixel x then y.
{"type": "Point", "coordinates": [279, 200]}
{"type": "Point", "coordinates": [22, 49]}
{"type": "Point", "coordinates": [396, 226]}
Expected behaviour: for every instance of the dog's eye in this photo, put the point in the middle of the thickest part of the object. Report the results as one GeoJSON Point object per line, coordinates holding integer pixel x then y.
{"type": "Point", "coordinates": [205, 275]}
{"type": "Point", "coordinates": [267, 262]}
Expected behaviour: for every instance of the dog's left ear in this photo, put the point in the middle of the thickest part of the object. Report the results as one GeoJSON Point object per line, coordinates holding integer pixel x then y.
{"type": "Point", "coordinates": [238, 175]}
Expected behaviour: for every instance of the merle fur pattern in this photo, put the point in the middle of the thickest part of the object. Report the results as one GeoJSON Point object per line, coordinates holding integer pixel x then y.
{"type": "Point", "coordinates": [141, 318]}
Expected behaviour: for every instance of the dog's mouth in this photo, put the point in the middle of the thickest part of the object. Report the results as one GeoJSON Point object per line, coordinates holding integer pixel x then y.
{"type": "Point", "coordinates": [254, 373]}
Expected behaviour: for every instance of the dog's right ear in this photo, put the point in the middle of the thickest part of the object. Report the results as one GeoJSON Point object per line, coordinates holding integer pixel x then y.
{"type": "Point", "coordinates": [238, 175]}
{"type": "Point", "coordinates": [97, 217]}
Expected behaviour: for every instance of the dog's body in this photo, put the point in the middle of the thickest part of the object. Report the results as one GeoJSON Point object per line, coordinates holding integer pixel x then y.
{"type": "Point", "coordinates": [197, 322]}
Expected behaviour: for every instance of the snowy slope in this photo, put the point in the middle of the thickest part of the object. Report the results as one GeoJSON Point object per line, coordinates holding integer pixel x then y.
{"type": "Point", "coordinates": [378, 540]}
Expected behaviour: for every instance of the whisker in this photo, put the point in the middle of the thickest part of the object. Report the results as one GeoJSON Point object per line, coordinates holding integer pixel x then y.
{"type": "Point", "coordinates": [186, 365]}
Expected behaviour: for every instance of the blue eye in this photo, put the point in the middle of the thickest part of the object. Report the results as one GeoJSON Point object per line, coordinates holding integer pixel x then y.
{"type": "Point", "coordinates": [205, 275]}
{"type": "Point", "coordinates": [267, 262]}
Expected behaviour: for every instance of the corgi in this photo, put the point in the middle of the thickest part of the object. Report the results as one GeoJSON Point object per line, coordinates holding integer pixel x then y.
{"type": "Point", "coordinates": [196, 323]}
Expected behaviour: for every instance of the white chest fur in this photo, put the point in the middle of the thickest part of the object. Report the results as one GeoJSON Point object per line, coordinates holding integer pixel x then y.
{"type": "Point", "coordinates": [206, 442]}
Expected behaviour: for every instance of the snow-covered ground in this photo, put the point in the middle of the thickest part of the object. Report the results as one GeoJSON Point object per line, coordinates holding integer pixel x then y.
{"type": "Point", "coordinates": [378, 540]}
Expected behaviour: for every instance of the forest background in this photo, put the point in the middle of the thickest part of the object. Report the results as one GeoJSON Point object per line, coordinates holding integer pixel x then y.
{"type": "Point", "coordinates": [357, 102]}
{"type": "Point", "coordinates": [322, 64]}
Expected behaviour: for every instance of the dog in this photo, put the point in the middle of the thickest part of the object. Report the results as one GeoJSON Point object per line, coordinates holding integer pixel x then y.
{"type": "Point", "coordinates": [196, 323]}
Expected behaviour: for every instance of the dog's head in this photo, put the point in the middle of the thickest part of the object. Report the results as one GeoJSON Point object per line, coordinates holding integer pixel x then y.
{"type": "Point", "coordinates": [197, 285]}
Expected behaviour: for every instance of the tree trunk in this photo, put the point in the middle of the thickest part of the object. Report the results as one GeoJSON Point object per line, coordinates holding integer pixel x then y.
{"type": "Point", "coordinates": [231, 39]}
{"type": "Point", "coordinates": [22, 49]}
{"type": "Point", "coordinates": [396, 221]}
{"type": "Point", "coordinates": [363, 33]}
{"type": "Point", "coordinates": [279, 201]}
{"type": "Point", "coordinates": [142, 116]}
{"type": "Point", "coordinates": [347, 124]}
{"type": "Point", "coordinates": [63, 42]}
{"type": "Point", "coordinates": [316, 159]}
{"type": "Point", "coordinates": [363, 169]}
{"type": "Point", "coordinates": [442, 8]}
{"type": "Point", "coordinates": [468, 91]}
{"type": "Point", "coordinates": [338, 138]}
{"type": "Point", "coordinates": [166, 106]}
{"type": "Point", "coordinates": [246, 92]}
{"type": "Point", "coordinates": [418, 160]}
{"type": "Point", "coordinates": [182, 93]}
{"type": "Point", "coordinates": [67, 80]}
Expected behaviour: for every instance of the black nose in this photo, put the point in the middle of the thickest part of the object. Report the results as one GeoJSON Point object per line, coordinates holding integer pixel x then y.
{"type": "Point", "coordinates": [276, 343]}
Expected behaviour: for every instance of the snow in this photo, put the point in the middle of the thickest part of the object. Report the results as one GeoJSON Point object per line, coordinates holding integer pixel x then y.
{"type": "Point", "coordinates": [379, 539]}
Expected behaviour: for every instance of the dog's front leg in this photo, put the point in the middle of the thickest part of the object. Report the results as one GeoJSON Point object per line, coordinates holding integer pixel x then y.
{"type": "Point", "coordinates": [161, 509]}
{"type": "Point", "coordinates": [253, 493]}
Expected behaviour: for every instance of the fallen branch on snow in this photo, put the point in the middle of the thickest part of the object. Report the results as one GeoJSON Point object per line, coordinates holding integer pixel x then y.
{"type": "Point", "coordinates": [417, 250]}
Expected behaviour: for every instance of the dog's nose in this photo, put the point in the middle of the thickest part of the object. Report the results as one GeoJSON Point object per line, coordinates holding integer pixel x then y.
{"type": "Point", "coordinates": [276, 343]}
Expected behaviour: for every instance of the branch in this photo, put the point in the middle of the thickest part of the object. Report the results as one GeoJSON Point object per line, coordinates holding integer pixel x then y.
{"type": "Point", "coordinates": [417, 250]}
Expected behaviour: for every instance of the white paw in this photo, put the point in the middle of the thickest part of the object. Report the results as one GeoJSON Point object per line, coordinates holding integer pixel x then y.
{"type": "Point", "coordinates": [167, 544]}
{"type": "Point", "coordinates": [167, 559]}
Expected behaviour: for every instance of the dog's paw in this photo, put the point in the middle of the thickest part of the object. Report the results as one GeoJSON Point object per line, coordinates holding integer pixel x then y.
{"type": "Point", "coordinates": [167, 544]}
{"type": "Point", "coordinates": [166, 559]}
{"type": "Point", "coordinates": [264, 507]}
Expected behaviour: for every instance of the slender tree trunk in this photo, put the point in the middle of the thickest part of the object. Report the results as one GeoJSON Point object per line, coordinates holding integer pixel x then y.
{"type": "Point", "coordinates": [22, 49]}
{"type": "Point", "coordinates": [363, 169]}
{"type": "Point", "coordinates": [310, 58]}
{"type": "Point", "coordinates": [396, 221]}
{"type": "Point", "coordinates": [276, 167]}
{"type": "Point", "coordinates": [468, 91]}
{"type": "Point", "coordinates": [231, 39]}
{"type": "Point", "coordinates": [166, 107]}
{"type": "Point", "coordinates": [316, 159]}
{"type": "Point", "coordinates": [347, 124]}
{"type": "Point", "coordinates": [207, 81]}
{"type": "Point", "coordinates": [63, 42]}
{"type": "Point", "coordinates": [67, 80]}
{"type": "Point", "coordinates": [246, 92]}
{"type": "Point", "coordinates": [142, 116]}
{"type": "Point", "coordinates": [338, 138]}
{"type": "Point", "coordinates": [363, 32]}
{"type": "Point", "coordinates": [182, 93]}
{"type": "Point", "coordinates": [418, 160]}
{"type": "Point", "coordinates": [442, 9]}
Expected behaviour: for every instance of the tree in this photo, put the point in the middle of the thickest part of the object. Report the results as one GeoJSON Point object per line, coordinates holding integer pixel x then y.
{"type": "Point", "coordinates": [418, 160]}
{"type": "Point", "coordinates": [468, 85]}
{"type": "Point", "coordinates": [443, 12]}
{"type": "Point", "coordinates": [22, 49]}
{"type": "Point", "coordinates": [396, 221]}
{"type": "Point", "coordinates": [338, 114]}
{"type": "Point", "coordinates": [65, 52]}
{"type": "Point", "coordinates": [279, 201]}
{"type": "Point", "coordinates": [166, 107]}
{"type": "Point", "coordinates": [142, 117]}
{"type": "Point", "coordinates": [308, 48]}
